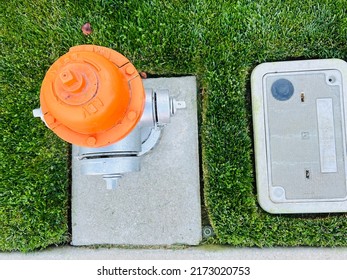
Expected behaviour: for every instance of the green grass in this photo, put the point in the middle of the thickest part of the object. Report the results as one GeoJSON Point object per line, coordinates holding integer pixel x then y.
{"type": "Point", "coordinates": [219, 41]}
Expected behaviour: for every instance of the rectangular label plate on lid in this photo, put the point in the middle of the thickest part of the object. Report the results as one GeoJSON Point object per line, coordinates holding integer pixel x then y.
{"type": "Point", "coordinates": [326, 134]}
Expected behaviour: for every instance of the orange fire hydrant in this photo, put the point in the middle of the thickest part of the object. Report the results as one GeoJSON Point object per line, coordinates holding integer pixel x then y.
{"type": "Point", "coordinates": [93, 97]}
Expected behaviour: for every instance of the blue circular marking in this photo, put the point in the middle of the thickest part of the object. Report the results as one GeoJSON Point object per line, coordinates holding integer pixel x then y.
{"type": "Point", "coordinates": [282, 89]}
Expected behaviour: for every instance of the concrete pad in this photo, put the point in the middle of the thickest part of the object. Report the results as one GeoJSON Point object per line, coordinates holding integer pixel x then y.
{"type": "Point", "coordinates": [160, 205]}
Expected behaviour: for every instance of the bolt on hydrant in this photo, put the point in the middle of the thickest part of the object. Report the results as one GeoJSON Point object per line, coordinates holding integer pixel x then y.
{"type": "Point", "coordinates": [93, 97]}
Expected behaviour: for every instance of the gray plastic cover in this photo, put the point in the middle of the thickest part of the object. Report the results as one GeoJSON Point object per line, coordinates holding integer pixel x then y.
{"type": "Point", "coordinates": [300, 136]}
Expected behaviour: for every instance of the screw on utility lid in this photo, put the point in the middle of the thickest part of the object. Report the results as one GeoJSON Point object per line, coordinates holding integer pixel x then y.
{"type": "Point", "coordinates": [88, 94]}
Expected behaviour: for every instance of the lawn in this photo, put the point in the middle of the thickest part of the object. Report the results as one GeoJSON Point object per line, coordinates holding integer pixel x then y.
{"type": "Point", "coordinates": [218, 41]}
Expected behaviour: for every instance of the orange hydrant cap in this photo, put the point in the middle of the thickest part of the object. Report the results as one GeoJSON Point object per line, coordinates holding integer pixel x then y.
{"type": "Point", "coordinates": [92, 96]}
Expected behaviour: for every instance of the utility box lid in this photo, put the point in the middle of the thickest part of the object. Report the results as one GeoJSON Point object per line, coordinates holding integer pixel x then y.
{"type": "Point", "coordinates": [299, 110]}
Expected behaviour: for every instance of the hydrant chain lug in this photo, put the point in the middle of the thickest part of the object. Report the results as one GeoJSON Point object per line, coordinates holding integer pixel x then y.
{"type": "Point", "coordinates": [124, 121]}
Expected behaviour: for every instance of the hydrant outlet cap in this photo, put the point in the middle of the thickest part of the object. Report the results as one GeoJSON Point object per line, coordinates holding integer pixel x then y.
{"type": "Point", "coordinates": [92, 96]}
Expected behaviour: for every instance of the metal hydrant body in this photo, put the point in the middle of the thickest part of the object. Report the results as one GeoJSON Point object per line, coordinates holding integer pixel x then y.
{"type": "Point", "coordinates": [93, 97]}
